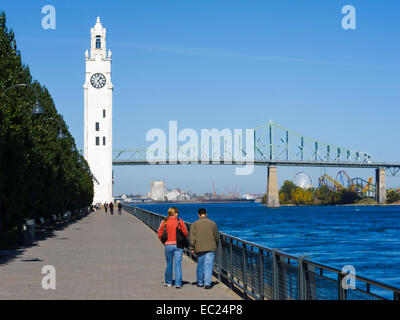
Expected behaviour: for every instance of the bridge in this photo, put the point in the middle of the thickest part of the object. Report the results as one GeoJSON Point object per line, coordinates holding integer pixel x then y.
{"type": "Point", "coordinates": [271, 145]}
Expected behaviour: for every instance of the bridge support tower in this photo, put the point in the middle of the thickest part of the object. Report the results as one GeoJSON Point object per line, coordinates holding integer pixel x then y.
{"type": "Point", "coordinates": [380, 186]}
{"type": "Point", "coordinates": [272, 198]}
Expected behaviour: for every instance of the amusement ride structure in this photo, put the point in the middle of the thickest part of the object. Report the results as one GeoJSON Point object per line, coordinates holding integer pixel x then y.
{"type": "Point", "coordinates": [365, 188]}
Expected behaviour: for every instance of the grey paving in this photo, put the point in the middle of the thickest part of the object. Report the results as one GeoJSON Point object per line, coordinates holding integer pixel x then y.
{"type": "Point", "coordinates": [100, 257]}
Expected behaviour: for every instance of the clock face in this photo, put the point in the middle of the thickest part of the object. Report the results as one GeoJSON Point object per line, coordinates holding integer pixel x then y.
{"type": "Point", "coordinates": [98, 80]}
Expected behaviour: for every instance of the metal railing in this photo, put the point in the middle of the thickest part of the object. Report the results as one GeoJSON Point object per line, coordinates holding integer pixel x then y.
{"type": "Point", "coordinates": [262, 273]}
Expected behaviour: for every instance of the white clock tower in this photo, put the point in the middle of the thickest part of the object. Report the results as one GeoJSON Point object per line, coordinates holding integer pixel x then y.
{"type": "Point", "coordinates": [98, 90]}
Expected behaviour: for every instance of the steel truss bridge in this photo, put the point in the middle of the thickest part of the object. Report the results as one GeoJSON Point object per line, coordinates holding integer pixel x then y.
{"type": "Point", "coordinates": [273, 145]}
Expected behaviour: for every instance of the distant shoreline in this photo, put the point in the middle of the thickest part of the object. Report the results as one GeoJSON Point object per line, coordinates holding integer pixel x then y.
{"type": "Point", "coordinates": [342, 205]}
{"type": "Point", "coordinates": [282, 205]}
{"type": "Point", "coordinates": [194, 202]}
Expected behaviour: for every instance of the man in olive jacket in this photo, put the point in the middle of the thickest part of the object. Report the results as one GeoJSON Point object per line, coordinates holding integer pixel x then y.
{"type": "Point", "coordinates": [204, 241]}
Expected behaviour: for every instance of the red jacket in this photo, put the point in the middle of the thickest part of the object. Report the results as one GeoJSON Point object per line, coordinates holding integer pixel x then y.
{"type": "Point", "coordinates": [172, 224]}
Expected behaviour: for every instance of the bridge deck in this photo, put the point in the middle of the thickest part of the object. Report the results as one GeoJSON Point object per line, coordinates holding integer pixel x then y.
{"type": "Point", "coordinates": [99, 257]}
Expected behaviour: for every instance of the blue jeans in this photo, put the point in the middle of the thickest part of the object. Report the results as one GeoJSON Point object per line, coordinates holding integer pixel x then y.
{"type": "Point", "coordinates": [205, 265]}
{"type": "Point", "coordinates": [171, 252]}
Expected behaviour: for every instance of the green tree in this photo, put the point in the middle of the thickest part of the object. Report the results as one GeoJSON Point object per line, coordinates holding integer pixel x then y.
{"type": "Point", "coordinates": [326, 196]}
{"type": "Point", "coordinates": [285, 193]}
{"type": "Point", "coordinates": [39, 175]}
{"type": "Point", "coordinates": [392, 196]}
{"type": "Point", "coordinates": [302, 196]}
{"type": "Point", "coordinates": [348, 196]}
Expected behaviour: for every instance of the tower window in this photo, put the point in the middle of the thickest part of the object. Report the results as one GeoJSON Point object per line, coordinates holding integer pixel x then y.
{"type": "Point", "coordinates": [104, 141]}
{"type": "Point", "coordinates": [98, 42]}
{"type": "Point", "coordinates": [97, 141]}
{"type": "Point", "coordinates": [104, 113]}
{"type": "Point", "coordinates": [97, 126]}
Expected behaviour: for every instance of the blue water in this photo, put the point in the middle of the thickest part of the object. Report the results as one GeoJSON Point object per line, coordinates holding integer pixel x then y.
{"type": "Point", "coordinates": [367, 237]}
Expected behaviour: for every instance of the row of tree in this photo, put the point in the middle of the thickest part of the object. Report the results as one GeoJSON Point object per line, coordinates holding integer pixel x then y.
{"type": "Point", "coordinates": [39, 174]}
{"type": "Point", "coordinates": [292, 194]}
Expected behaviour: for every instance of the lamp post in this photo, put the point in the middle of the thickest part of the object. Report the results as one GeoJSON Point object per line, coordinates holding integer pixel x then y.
{"type": "Point", "coordinates": [85, 167]}
{"type": "Point", "coordinates": [60, 134]}
{"type": "Point", "coordinates": [37, 109]}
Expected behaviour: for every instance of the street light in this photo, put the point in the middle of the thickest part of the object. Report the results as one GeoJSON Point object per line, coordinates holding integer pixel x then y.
{"type": "Point", "coordinates": [60, 134]}
{"type": "Point", "coordinates": [85, 167]}
{"type": "Point", "coordinates": [37, 109]}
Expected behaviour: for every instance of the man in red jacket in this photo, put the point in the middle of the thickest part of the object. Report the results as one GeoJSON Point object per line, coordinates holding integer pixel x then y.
{"type": "Point", "coordinates": [171, 250]}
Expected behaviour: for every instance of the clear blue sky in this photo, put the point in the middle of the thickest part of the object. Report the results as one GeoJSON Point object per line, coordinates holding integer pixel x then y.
{"type": "Point", "coordinates": [234, 64]}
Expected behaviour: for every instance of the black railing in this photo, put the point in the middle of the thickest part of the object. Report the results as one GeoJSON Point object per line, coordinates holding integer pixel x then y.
{"type": "Point", "coordinates": [262, 273]}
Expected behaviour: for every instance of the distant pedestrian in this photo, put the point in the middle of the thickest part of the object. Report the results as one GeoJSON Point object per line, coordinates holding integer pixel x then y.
{"type": "Point", "coordinates": [119, 207]}
{"type": "Point", "coordinates": [105, 206]}
{"type": "Point", "coordinates": [204, 241]}
{"type": "Point", "coordinates": [111, 205]}
{"type": "Point", "coordinates": [172, 252]}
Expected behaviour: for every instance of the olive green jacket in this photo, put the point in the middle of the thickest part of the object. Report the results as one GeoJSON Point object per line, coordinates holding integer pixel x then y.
{"type": "Point", "coordinates": [203, 235]}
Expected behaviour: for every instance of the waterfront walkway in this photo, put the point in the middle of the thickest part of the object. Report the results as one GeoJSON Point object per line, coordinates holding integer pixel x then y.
{"type": "Point", "coordinates": [100, 257]}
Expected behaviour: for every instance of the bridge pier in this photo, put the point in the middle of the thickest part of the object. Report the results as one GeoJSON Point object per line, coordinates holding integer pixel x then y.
{"type": "Point", "coordinates": [380, 186]}
{"type": "Point", "coordinates": [272, 197]}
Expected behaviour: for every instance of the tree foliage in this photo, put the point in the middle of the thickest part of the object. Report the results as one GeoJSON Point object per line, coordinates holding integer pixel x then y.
{"type": "Point", "coordinates": [302, 196]}
{"type": "Point", "coordinates": [286, 191]}
{"type": "Point", "coordinates": [39, 175]}
{"type": "Point", "coordinates": [292, 194]}
{"type": "Point", "coordinates": [392, 196]}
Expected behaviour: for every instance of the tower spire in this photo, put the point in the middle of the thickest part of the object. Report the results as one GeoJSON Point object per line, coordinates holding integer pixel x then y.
{"type": "Point", "coordinates": [98, 41]}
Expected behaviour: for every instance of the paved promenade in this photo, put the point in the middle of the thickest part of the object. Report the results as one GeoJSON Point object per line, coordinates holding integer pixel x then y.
{"type": "Point", "coordinates": [99, 257]}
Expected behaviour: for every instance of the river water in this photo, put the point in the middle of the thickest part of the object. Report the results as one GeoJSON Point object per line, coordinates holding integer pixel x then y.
{"type": "Point", "coordinates": [367, 237]}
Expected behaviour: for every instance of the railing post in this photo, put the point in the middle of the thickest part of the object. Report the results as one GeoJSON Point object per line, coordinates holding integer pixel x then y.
{"type": "Point", "coordinates": [261, 273]}
{"type": "Point", "coordinates": [230, 263]}
{"type": "Point", "coordinates": [341, 293]}
{"type": "Point", "coordinates": [244, 272]}
{"type": "Point", "coordinates": [301, 279]}
{"type": "Point", "coordinates": [275, 278]}
{"type": "Point", "coordinates": [219, 256]}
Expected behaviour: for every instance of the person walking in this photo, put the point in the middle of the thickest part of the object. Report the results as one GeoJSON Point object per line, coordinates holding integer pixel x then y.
{"type": "Point", "coordinates": [172, 250]}
{"type": "Point", "coordinates": [119, 207]}
{"type": "Point", "coordinates": [105, 206]}
{"type": "Point", "coordinates": [204, 241]}
{"type": "Point", "coordinates": [111, 205]}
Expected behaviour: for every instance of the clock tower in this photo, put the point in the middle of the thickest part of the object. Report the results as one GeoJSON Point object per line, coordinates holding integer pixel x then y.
{"type": "Point", "coordinates": [98, 90]}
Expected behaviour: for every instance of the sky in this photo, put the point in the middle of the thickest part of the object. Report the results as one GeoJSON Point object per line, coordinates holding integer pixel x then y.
{"type": "Point", "coordinates": [225, 64]}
